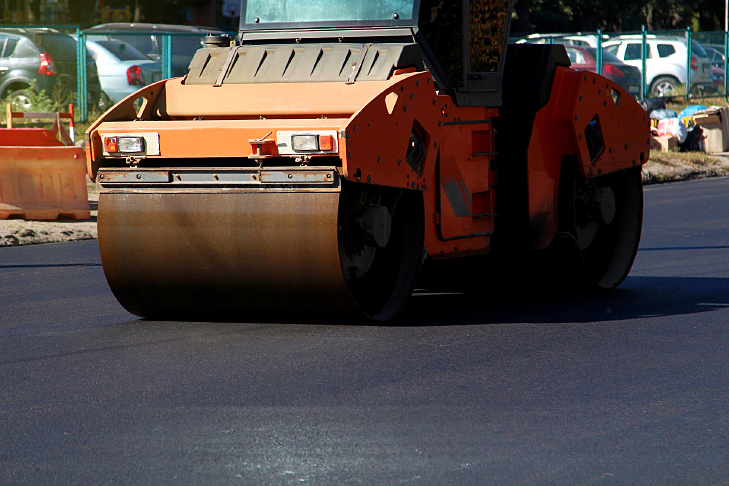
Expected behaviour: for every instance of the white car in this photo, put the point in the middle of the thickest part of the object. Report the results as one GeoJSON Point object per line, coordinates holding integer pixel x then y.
{"type": "Point", "coordinates": [122, 69]}
{"type": "Point", "coordinates": [666, 62]}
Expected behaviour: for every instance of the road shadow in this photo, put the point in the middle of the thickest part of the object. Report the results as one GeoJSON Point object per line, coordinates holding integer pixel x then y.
{"type": "Point", "coordinates": [638, 297]}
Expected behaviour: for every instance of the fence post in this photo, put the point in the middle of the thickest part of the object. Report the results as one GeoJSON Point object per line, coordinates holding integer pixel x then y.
{"type": "Point", "coordinates": [599, 51]}
{"type": "Point", "coordinates": [81, 87]}
{"type": "Point", "coordinates": [643, 56]}
{"type": "Point", "coordinates": [726, 66]}
{"type": "Point", "coordinates": [688, 62]}
{"type": "Point", "coordinates": [167, 56]}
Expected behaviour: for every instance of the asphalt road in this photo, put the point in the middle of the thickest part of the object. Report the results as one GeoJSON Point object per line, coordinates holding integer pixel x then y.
{"type": "Point", "coordinates": [623, 388]}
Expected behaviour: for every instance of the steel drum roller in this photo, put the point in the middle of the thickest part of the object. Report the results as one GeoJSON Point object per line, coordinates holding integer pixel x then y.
{"type": "Point", "coordinates": [221, 251]}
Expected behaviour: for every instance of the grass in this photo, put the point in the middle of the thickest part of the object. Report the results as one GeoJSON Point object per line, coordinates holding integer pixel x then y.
{"type": "Point", "coordinates": [695, 159]}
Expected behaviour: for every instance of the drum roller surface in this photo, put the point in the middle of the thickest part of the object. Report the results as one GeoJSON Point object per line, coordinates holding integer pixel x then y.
{"type": "Point", "coordinates": [166, 252]}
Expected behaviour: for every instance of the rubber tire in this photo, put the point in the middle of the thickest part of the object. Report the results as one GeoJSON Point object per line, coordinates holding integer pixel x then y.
{"type": "Point", "coordinates": [660, 85]}
{"type": "Point", "coordinates": [21, 100]}
{"type": "Point", "coordinates": [606, 262]}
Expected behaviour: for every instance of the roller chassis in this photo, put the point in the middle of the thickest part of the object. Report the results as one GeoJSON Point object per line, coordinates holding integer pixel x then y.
{"type": "Point", "coordinates": [255, 226]}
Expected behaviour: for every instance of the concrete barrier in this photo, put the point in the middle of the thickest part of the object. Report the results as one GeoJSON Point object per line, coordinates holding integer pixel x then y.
{"type": "Point", "coordinates": [41, 177]}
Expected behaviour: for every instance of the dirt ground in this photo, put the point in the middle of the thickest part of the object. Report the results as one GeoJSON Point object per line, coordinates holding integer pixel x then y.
{"type": "Point", "coordinates": [16, 232]}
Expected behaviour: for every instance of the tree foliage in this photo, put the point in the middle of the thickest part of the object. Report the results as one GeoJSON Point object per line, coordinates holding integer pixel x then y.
{"type": "Point", "coordinates": [616, 15]}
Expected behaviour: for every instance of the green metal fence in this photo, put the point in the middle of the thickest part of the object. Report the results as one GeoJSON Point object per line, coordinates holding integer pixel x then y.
{"type": "Point", "coordinates": [694, 89]}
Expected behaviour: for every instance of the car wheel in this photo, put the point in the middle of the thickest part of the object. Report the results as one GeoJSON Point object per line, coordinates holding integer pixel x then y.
{"type": "Point", "coordinates": [664, 87]}
{"type": "Point", "coordinates": [21, 100]}
{"type": "Point", "coordinates": [104, 102]}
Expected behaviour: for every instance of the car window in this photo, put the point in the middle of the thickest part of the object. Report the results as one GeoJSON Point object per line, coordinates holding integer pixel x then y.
{"type": "Point", "coordinates": [122, 50]}
{"type": "Point", "coordinates": [575, 56]}
{"type": "Point", "coordinates": [632, 52]}
{"type": "Point", "coordinates": [697, 50]}
{"type": "Point", "coordinates": [606, 55]}
{"type": "Point", "coordinates": [143, 42]}
{"type": "Point", "coordinates": [25, 48]}
{"type": "Point", "coordinates": [10, 46]}
{"type": "Point", "coordinates": [613, 49]}
{"type": "Point", "coordinates": [59, 46]}
{"type": "Point", "coordinates": [665, 50]}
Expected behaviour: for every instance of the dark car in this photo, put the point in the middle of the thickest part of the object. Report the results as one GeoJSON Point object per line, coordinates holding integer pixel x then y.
{"type": "Point", "coordinates": [40, 59]}
{"type": "Point", "coordinates": [148, 38]}
{"type": "Point", "coordinates": [716, 54]}
{"type": "Point", "coordinates": [626, 76]}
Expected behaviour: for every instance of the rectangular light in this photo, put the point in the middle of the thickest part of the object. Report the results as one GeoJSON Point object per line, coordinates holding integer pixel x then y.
{"type": "Point", "coordinates": [110, 145]}
{"type": "Point", "coordinates": [305, 143]}
{"type": "Point", "coordinates": [326, 142]}
{"type": "Point", "coordinates": [131, 144]}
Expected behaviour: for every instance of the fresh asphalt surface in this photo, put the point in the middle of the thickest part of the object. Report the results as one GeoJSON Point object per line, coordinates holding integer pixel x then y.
{"type": "Point", "coordinates": [623, 388]}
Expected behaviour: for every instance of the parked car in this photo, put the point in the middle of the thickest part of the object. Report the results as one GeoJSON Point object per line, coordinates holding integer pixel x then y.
{"type": "Point", "coordinates": [148, 39]}
{"type": "Point", "coordinates": [122, 68]}
{"type": "Point", "coordinates": [578, 39]}
{"type": "Point", "coordinates": [665, 62]}
{"type": "Point", "coordinates": [624, 75]}
{"type": "Point", "coordinates": [41, 59]}
{"type": "Point", "coordinates": [716, 54]}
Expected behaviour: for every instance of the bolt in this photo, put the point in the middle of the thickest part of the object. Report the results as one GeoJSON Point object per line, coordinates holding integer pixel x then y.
{"type": "Point", "coordinates": [349, 155]}
{"type": "Point", "coordinates": [399, 161]}
{"type": "Point", "coordinates": [413, 183]}
{"type": "Point", "coordinates": [379, 159]}
{"type": "Point", "coordinates": [585, 78]}
{"type": "Point", "coordinates": [216, 177]}
{"type": "Point", "coordinates": [626, 146]}
{"type": "Point", "coordinates": [405, 108]}
{"type": "Point", "coordinates": [435, 102]}
{"type": "Point", "coordinates": [179, 177]}
{"type": "Point", "coordinates": [599, 171]}
{"type": "Point", "coordinates": [412, 95]}
{"type": "Point", "coordinates": [354, 128]}
{"type": "Point", "coordinates": [417, 83]}
{"type": "Point", "coordinates": [428, 80]}
{"type": "Point", "coordinates": [576, 117]}
{"type": "Point", "coordinates": [329, 176]}
{"type": "Point", "coordinates": [291, 176]}
{"type": "Point", "coordinates": [369, 178]}
{"type": "Point", "coordinates": [346, 135]}
{"type": "Point", "coordinates": [580, 97]}
{"type": "Point", "coordinates": [101, 176]}
{"type": "Point", "coordinates": [580, 137]}
{"type": "Point", "coordinates": [611, 150]}
{"type": "Point", "coordinates": [435, 144]}
{"type": "Point", "coordinates": [599, 91]}
{"type": "Point", "coordinates": [139, 176]}
{"type": "Point", "coordinates": [594, 80]}
{"type": "Point", "coordinates": [440, 123]}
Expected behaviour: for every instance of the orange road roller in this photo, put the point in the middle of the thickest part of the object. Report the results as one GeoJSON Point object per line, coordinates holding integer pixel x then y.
{"type": "Point", "coordinates": [316, 160]}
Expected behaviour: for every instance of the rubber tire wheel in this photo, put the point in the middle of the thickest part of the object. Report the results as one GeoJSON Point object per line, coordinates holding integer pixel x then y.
{"type": "Point", "coordinates": [104, 102]}
{"type": "Point", "coordinates": [664, 87]}
{"type": "Point", "coordinates": [21, 100]}
{"type": "Point", "coordinates": [607, 256]}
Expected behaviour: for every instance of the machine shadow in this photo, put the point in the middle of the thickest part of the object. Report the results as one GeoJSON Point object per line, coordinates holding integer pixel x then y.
{"type": "Point", "coordinates": [638, 297]}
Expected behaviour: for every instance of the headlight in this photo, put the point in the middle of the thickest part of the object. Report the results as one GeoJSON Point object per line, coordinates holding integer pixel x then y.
{"type": "Point", "coordinates": [131, 144]}
{"type": "Point", "coordinates": [305, 143]}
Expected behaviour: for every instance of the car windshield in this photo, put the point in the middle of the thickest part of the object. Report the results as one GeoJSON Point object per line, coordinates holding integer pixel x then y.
{"type": "Point", "coordinates": [122, 50]}
{"type": "Point", "coordinates": [289, 11]}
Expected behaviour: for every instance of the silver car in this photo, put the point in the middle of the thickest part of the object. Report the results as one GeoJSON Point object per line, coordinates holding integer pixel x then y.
{"type": "Point", "coordinates": [122, 69]}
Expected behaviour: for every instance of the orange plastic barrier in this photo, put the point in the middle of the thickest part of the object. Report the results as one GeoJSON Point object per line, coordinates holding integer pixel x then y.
{"type": "Point", "coordinates": [41, 177]}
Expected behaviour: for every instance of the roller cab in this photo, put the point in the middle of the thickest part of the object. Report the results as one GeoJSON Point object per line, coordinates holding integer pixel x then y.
{"type": "Point", "coordinates": [315, 161]}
